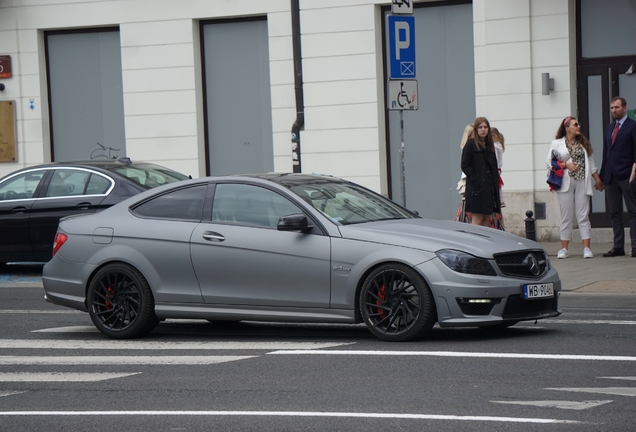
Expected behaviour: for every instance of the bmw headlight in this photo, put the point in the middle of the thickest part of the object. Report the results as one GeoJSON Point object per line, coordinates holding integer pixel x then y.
{"type": "Point", "coordinates": [462, 262]}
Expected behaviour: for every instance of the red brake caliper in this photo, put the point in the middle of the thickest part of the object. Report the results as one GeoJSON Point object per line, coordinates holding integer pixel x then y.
{"type": "Point", "coordinates": [381, 296]}
{"type": "Point", "coordinates": [111, 290]}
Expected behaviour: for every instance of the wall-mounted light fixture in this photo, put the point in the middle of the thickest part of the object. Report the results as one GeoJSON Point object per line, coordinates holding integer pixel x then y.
{"type": "Point", "coordinates": [547, 83]}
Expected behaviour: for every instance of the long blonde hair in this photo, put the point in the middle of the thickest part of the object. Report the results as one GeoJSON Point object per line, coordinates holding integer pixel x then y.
{"type": "Point", "coordinates": [498, 137]}
{"type": "Point", "coordinates": [468, 131]}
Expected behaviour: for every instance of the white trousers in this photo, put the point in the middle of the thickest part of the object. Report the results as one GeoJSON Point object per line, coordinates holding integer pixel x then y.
{"type": "Point", "coordinates": [574, 202]}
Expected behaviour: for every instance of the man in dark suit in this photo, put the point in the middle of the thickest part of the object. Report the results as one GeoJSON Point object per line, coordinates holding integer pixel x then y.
{"type": "Point", "coordinates": [619, 161]}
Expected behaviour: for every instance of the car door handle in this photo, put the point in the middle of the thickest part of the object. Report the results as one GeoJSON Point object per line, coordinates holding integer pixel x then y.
{"type": "Point", "coordinates": [18, 210]}
{"type": "Point", "coordinates": [213, 236]}
{"type": "Point", "coordinates": [84, 205]}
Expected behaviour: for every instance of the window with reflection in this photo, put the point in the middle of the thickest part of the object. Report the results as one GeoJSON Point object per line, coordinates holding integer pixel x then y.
{"type": "Point", "coordinates": [182, 204]}
{"type": "Point", "coordinates": [21, 186]}
{"type": "Point", "coordinates": [243, 204]}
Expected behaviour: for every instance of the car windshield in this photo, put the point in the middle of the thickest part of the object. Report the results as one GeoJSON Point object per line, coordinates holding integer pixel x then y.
{"type": "Point", "coordinates": [347, 204]}
{"type": "Point", "coordinates": [147, 174]}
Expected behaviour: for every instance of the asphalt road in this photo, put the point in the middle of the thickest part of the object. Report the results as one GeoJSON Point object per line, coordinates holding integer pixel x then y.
{"type": "Point", "coordinates": [576, 372]}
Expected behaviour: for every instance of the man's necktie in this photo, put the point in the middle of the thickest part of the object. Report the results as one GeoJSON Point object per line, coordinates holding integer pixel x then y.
{"type": "Point", "coordinates": [615, 132]}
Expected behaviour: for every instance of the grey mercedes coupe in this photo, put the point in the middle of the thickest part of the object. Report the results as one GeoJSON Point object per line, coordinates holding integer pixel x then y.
{"type": "Point", "coordinates": [292, 248]}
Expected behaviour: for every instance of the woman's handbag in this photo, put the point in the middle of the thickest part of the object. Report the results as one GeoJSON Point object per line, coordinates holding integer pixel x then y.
{"type": "Point", "coordinates": [461, 186]}
{"type": "Point", "coordinates": [555, 174]}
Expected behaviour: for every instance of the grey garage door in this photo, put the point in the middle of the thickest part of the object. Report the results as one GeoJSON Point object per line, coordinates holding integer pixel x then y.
{"type": "Point", "coordinates": [237, 93]}
{"type": "Point", "coordinates": [86, 99]}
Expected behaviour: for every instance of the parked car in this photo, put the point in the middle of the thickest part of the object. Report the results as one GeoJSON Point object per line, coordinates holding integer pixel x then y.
{"type": "Point", "coordinates": [293, 248]}
{"type": "Point", "coordinates": [32, 200]}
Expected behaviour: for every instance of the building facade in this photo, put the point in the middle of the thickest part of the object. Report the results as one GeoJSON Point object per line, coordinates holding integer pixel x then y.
{"type": "Point", "coordinates": [213, 87]}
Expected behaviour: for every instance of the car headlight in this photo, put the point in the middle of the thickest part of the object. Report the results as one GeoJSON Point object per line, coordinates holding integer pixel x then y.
{"type": "Point", "coordinates": [462, 262]}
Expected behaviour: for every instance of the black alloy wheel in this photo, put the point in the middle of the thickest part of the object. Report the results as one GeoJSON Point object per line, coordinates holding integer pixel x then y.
{"type": "Point", "coordinates": [396, 303]}
{"type": "Point", "coordinates": [120, 302]}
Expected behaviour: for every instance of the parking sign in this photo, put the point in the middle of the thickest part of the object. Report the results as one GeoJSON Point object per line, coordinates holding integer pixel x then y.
{"type": "Point", "coordinates": [401, 46]}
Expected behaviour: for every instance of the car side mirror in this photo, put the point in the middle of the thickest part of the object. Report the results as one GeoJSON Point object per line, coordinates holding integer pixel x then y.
{"type": "Point", "coordinates": [293, 222]}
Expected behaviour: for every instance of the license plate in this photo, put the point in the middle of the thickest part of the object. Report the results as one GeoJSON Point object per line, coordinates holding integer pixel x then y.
{"type": "Point", "coordinates": [535, 291]}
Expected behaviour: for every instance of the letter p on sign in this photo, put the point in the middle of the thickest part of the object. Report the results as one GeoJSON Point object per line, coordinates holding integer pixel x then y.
{"type": "Point", "coordinates": [401, 46]}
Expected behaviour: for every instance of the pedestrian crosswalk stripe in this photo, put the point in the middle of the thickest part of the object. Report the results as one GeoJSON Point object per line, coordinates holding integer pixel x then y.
{"type": "Point", "coordinates": [68, 329]}
{"type": "Point", "coordinates": [626, 378]}
{"type": "Point", "coordinates": [60, 376]}
{"type": "Point", "coordinates": [571, 405]}
{"type": "Point", "coordinates": [10, 393]}
{"type": "Point", "coordinates": [108, 344]}
{"type": "Point", "coordinates": [595, 322]}
{"type": "Point", "coordinates": [618, 391]}
{"type": "Point", "coordinates": [40, 312]}
{"type": "Point", "coordinates": [117, 360]}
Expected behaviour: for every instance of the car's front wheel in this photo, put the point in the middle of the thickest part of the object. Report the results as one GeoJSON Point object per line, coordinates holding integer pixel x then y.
{"type": "Point", "coordinates": [120, 302]}
{"type": "Point", "coordinates": [396, 303]}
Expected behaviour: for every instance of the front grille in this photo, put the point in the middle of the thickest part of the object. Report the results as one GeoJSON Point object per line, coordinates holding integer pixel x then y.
{"type": "Point", "coordinates": [517, 307]}
{"type": "Point", "coordinates": [531, 264]}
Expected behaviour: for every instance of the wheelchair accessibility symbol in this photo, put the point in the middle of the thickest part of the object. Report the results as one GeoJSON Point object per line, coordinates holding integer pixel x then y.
{"type": "Point", "coordinates": [402, 95]}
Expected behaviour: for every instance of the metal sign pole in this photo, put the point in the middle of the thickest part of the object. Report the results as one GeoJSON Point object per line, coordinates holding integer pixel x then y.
{"type": "Point", "coordinates": [402, 91]}
{"type": "Point", "coordinates": [402, 166]}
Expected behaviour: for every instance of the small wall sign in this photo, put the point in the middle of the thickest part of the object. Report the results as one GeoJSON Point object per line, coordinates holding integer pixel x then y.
{"type": "Point", "coordinates": [5, 66]}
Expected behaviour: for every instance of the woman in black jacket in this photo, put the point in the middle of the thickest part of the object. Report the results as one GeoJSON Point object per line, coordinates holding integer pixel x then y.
{"type": "Point", "coordinates": [479, 163]}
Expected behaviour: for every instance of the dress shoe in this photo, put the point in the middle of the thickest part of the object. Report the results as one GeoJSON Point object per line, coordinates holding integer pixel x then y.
{"type": "Point", "coordinates": [633, 253]}
{"type": "Point", "coordinates": [614, 252]}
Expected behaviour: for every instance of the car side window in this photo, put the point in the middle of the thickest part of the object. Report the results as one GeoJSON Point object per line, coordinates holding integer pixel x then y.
{"type": "Point", "coordinates": [241, 204]}
{"type": "Point", "coordinates": [182, 204]}
{"type": "Point", "coordinates": [67, 182]}
{"type": "Point", "coordinates": [97, 185]}
{"type": "Point", "coordinates": [21, 186]}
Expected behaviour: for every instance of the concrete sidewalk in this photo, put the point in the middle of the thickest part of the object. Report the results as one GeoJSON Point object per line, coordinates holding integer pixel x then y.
{"type": "Point", "coordinates": [598, 274]}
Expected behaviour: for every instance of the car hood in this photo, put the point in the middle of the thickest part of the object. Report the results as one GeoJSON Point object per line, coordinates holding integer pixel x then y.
{"type": "Point", "coordinates": [433, 235]}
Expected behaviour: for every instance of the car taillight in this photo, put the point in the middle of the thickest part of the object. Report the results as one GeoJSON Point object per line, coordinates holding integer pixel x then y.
{"type": "Point", "coordinates": [60, 239]}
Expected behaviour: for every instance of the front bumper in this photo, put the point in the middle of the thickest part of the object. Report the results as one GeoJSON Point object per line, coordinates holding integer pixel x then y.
{"type": "Point", "coordinates": [470, 300]}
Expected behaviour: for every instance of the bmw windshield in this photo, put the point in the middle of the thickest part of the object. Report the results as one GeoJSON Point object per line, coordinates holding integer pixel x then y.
{"type": "Point", "coordinates": [346, 203]}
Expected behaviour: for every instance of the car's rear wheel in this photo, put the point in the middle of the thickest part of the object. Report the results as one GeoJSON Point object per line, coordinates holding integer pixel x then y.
{"type": "Point", "coordinates": [396, 303]}
{"type": "Point", "coordinates": [120, 302]}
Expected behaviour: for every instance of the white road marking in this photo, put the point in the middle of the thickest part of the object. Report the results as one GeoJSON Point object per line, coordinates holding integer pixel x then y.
{"type": "Point", "coordinates": [286, 414]}
{"type": "Point", "coordinates": [460, 354]}
{"type": "Point", "coordinates": [611, 322]}
{"type": "Point", "coordinates": [40, 312]}
{"type": "Point", "coordinates": [617, 391]}
{"type": "Point", "coordinates": [572, 405]}
{"type": "Point", "coordinates": [69, 329]}
{"type": "Point", "coordinates": [60, 376]}
{"type": "Point", "coordinates": [146, 345]}
{"type": "Point", "coordinates": [10, 393]}
{"type": "Point", "coordinates": [621, 378]}
{"type": "Point", "coordinates": [117, 360]}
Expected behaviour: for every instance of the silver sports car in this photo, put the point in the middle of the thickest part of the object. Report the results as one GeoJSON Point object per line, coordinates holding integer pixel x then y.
{"type": "Point", "coordinates": [295, 248]}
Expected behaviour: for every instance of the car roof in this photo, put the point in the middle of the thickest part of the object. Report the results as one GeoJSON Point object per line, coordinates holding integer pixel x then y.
{"type": "Point", "coordinates": [294, 179]}
{"type": "Point", "coordinates": [97, 163]}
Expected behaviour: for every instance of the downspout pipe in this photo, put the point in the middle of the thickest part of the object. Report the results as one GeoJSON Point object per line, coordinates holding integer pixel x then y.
{"type": "Point", "coordinates": [298, 86]}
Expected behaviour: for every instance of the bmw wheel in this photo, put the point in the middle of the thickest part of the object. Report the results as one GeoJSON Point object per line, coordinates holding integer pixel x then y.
{"type": "Point", "coordinates": [396, 303]}
{"type": "Point", "coordinates": [120, 302]}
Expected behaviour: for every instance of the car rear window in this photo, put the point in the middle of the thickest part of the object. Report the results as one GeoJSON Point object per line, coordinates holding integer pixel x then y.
{"type": "Point", "coordinates": [182, 204]}
{"type": "Point", "coordinates": [148, 175]}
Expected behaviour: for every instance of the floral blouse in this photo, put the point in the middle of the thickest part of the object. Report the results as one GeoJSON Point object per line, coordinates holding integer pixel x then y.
{"type": "Point", "coordinates": [577, 153]}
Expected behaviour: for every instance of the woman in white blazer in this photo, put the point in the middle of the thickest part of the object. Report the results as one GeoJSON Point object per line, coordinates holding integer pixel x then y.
{"type": "Point", "coordinates": [575, 151]}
